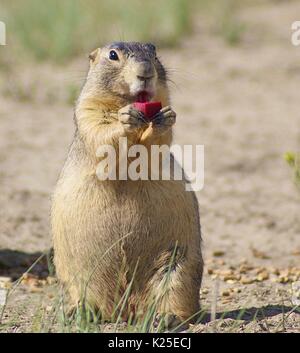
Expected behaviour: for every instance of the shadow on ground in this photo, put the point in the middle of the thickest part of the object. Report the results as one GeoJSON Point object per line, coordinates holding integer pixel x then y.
{"type": "Point", "coordinates": [251, 314]}
{"type": "Point", "coordinates": [14, 263]}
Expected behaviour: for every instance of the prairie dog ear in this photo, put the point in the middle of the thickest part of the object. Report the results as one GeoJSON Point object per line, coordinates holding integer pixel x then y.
{"type": "Point", "coordinates": [94, 56]}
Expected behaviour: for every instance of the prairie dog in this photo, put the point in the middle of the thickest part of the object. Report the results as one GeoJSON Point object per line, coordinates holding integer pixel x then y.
{"type": "Point", "coordinates": [111, 235]}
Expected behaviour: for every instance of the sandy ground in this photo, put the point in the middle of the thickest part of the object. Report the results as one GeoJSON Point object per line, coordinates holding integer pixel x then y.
{"type": "Point", "coordinates": [242, 104]}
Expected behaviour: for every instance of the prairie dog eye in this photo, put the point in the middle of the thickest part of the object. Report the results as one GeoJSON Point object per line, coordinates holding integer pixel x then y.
{"type": "Point", "coordinates": [113, 55]}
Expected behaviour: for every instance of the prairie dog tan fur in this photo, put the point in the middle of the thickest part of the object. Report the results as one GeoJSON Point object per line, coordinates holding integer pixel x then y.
{"type": "Point", "coordinates": [109, 235]}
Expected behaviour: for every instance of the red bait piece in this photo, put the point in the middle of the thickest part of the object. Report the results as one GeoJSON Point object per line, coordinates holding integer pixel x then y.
{"type": "Point", "coordinates": [148, 108]}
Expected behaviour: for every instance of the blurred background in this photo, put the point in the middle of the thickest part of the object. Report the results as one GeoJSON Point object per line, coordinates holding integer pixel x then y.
{"type": "Point", "coordinates": [60, 30]}
{"type": "Point", "coordinates": [235, 88]}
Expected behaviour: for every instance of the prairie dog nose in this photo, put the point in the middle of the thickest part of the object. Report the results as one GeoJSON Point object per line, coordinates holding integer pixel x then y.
{"type": "Point", "coordinates": [144, 70]}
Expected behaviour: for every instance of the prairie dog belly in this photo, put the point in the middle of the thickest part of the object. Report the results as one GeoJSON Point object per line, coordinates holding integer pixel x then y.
{"type": "Point", "coordinates": [107, 223]}
{"type": "Point", "coordinates": [153, 215]}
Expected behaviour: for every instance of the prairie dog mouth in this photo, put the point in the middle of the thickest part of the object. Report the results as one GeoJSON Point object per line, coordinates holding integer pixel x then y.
{"type": "Point", "coordinates": [143, 96]}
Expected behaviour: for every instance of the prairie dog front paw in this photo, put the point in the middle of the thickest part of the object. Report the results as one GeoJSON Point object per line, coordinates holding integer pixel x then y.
{"type": "Point", "coordinates": [131, 119]}
{"type": "Point", "coordinates": [164, 119]}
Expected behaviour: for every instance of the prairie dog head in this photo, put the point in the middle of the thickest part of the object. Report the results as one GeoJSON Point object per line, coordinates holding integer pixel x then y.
{"type": "Point", "coordinates": [128, 70]}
